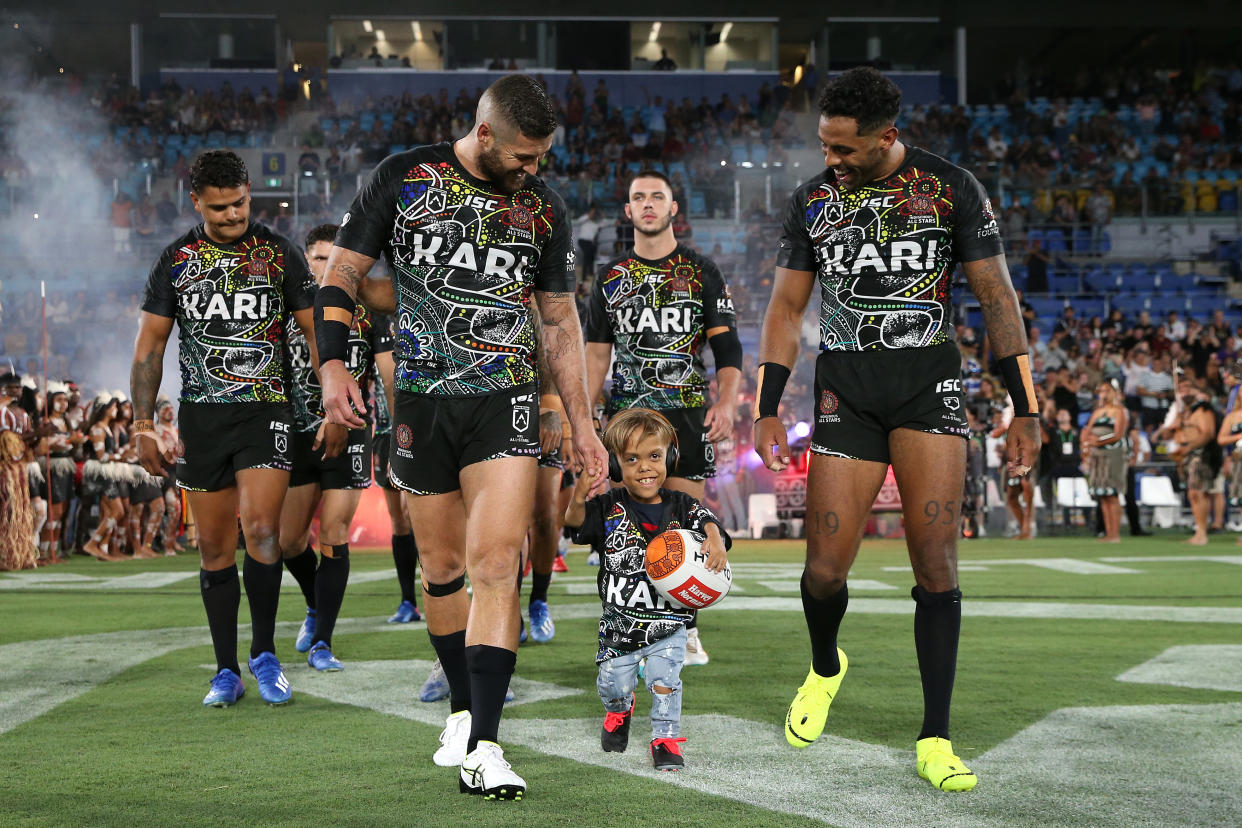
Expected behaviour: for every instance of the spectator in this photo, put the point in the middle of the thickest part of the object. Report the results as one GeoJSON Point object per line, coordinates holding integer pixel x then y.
{"type": "Point", "coordinates": [665, 63]}
{"type": "Point", "coordinates": [1037, 268]}
{"type": "Point", "coordinates": [1100, 213]}
{"type": "Point", "coordinates": [1155, 391]}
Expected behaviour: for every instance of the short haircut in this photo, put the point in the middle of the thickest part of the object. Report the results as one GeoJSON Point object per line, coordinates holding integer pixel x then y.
{"type": "Point", "coordinates": [633, 424]}
{"type": "Point", "coordinates": [647, 172]}
{"type": "Point", "coordinates": [865, 95]}
{"type": "Point", "coordinates": [218, 168]}
{"type": "Point", "coordinates": [324, 232]}
{"type": "Point", "coordinates": [523, 103]}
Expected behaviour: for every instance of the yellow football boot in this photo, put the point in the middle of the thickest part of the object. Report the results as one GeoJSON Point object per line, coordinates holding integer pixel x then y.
{"type": "Point", "coordinates": [805, 720]}
{"type": "Point", "coordinates": [939, 765]}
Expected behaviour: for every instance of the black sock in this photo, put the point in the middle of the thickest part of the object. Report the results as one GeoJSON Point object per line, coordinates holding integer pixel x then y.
{"type": "Point", "coordinates": [451, 650]}
{"type": "Point", "coordinates": [302, 568]}
{"type": "Point", "coordinates": [937, 627]}
{"type": "Point", "coordinates": [823, 620]}
{"type": "Point", "coordinates": [221, 598]}
{"type": "Point", "coordinates": [490, 671]}
{"type": "Point", "coordinates": [539, 586]}
{"type": "Point", "coordinates": [330, 584]}
{"type": "Point", "coordinates": [405, 556]}
{"type": "Point", "coordinates": [263, 596]}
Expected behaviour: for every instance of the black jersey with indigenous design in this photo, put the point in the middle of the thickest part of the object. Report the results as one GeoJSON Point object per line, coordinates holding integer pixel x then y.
{"type": "Point", "coordinates": [368, 336]}
{"type": "Point", "coordinates": [885, 253]}
{"type": "Point", "coordinates": [465, 258]}
{"type": "Point", "coordinates": [231, 303]}
{"type": "Point", "coordinates": [656, 313]}
{"type": "Point", "coordinates": [379, 407]}
{"type": "Point", "coordinates": [635, 614]}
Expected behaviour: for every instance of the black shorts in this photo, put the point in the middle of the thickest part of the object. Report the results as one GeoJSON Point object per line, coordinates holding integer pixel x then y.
{"type": "Point", "coordinates": [696, 456]}
{"type": "Point", "coordinates": [381, 445]}
{"type": "Point", "coordinates": [862, 396]}
{"type": "Point", "coordinates": [351, 469]}
{"type": "Point", "coordinates": [219, 439]}
{"type": "Point", "coordinates": [435, 437]}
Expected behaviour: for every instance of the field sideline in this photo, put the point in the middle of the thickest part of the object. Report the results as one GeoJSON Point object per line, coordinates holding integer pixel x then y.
{"type": "Point", "coordinates": [1096, 685]}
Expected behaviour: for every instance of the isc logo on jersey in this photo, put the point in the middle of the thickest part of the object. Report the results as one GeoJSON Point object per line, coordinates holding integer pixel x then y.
{"type": "Point", "coordinates": [238, 307]}
{"type": "Point", "coordinates": [901, 255]}
{"type": "Point", "coordinates": [655, 320]}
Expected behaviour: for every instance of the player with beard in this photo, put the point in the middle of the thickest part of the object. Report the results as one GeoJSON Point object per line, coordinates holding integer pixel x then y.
{"type": "Point", "coordinates": [657, 304]}
{"type": "Point", "coordinates": [331, 466]}
{"type": "Point", "coordinates": [472, 236]}
{"type": "Point", "coordinates": [884, 228]}
{"type": "Point", "coordinates": [231, 285]}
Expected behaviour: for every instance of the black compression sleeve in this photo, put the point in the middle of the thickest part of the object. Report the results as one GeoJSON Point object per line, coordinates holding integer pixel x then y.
{"type": "Point", "coordinates": [332, 335]}
{"type": "Point", "coordinates": [1016, 371]}
{"type": "Point", "coordinates": [772, 379]}
{"type": "Point", "coordinates": [727, 349]}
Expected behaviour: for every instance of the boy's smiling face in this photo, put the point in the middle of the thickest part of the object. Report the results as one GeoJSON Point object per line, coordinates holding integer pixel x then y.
{"type": "Point", "coordinates": [643, 468]}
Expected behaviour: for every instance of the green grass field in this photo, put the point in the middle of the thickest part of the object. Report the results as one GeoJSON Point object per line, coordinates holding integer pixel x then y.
{"type": "Point", "coordinates": [1096, 685]}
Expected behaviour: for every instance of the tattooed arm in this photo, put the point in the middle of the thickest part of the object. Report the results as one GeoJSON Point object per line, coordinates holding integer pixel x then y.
{"type": "Point", "coordinates": [144, 381]}
{"type": "Point", "coordinates": [989, 281]}
{"type": "Point", "coordinates": [562, 343]}
{"type": "Point", "coordinates": [342, 399]}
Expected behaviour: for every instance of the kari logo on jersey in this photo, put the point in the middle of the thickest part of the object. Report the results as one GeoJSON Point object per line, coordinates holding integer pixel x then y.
{"type": "Point", "coordinates": [239, 307]}
{"type": "Point", "coordinates": [894, 257]}
{"type": "Point", "coordinates": [432, 249]}
{"type": "Point", "coordinates": [654, 320]}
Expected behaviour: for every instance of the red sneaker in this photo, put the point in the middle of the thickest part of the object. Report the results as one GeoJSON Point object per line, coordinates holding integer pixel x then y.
{"type": "Point", "coordinates": [559, 564]}
{"type": "Point", "coordinates": [615, 736]}
{"type": "Point", "coordinates": [666, 754]}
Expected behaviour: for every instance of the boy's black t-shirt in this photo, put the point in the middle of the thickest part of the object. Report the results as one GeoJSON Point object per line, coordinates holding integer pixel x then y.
{"type": "Point", "coordinates": [635, 614]}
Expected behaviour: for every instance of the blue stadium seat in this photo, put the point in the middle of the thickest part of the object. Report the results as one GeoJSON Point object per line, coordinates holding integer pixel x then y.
{"type": "Point", "coordinates": [1054, 240]}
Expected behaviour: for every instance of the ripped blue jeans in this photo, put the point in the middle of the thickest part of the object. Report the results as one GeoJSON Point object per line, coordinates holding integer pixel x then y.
{"type": "Point", "coordinates": [619, 676]}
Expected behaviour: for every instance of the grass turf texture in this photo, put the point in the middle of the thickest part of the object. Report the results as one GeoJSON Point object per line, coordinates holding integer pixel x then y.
{"type": "Point", "coordinates": [139, 749]}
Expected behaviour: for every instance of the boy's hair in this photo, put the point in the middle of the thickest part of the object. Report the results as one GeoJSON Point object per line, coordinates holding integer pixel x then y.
{"type": "Point", "coordinates": [218, 168]}
{"type": "Point", "coordinates": [865, 95]}
{"type": "Point", "coordinates": [633, 424]}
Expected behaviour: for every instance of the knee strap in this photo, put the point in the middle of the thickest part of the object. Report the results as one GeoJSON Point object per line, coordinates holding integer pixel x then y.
{"type": "Point", "coordinates": [935, 599]}
{"type": "Point", "coordinates": [442, 590]}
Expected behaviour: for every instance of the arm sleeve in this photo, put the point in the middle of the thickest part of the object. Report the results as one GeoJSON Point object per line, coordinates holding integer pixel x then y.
{"type": "Point", "coordinates": [367, 227]}
{"type": "Point", "coordinates": [381, 334]}
{"type": "Point", "coordinates": [556, 261]}
{"type": "Point", "coordinates": [159, 297]}
{"type": "Point", "coordinates": [598, 325]}
{"type": "Point", "coordinates": [795, 250]}
{"type": "Point", "coordinates": [976, 235]}
{"type": "Point", "coordinates": [717, 303]}
{"type": "Point", "coordinates": [298, 285]}
{"type": "Point", "coordinates": [591, 532]}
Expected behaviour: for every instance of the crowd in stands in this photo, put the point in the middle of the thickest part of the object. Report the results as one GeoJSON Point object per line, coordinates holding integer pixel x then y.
{"type": "Point", "coordinates": [1061, 163]}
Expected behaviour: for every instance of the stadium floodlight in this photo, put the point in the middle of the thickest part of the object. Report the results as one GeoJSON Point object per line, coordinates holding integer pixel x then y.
{"type": "Point", "coordinates": [418, 30]}
{"type": "Point", "coordinates": [724, 31]}
{"type": "Point", "coordinates": [655, 32]}
{"type": "Point", "coordinates": [367, 27]}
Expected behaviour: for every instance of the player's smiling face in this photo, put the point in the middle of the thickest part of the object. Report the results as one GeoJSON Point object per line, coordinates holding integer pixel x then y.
{"type": "Point", "coordinates": [225, 212]}
{"type": "Point", "coordinates": [508, 161]}
{"type": "Point", "coordinates": [856, 159]}
{"type": "Point", "coordinates": [651, 207]}
{"type": "Point", "coordinates": [643, 468]}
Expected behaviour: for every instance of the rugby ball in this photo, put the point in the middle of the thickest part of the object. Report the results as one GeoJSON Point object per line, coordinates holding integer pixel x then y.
{"type": "Point", "coordinates": [677, 567]}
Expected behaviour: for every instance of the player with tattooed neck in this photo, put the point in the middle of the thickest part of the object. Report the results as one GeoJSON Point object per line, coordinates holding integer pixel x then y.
{"type": "Point", "coordinates": [472, 236]}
